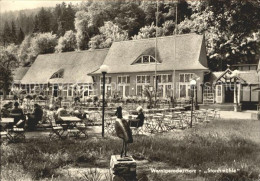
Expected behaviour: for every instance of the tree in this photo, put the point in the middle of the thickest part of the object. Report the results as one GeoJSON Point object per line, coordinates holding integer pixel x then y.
{"type": "Point", "coordinates": [67, 42]}
{"type": "Point", "coordinates": [43, 43]}
{"type": "Point", "coordinates": [24, 52]}
{"type": "Point", "coordinates": [109, 33]}
{"type": "Point", "coordinates": [82, 26]}
{"type": "Point", "coordinates": [7, 35]}
{"type": "Point", "coordinates": [44, 20]}
{"type": "Point", "coordinates": [8, 57]}
{"type": "Point", "coordinates": [20, 37]}
{"type": "Point", "coordinates": [63, 16]}
{"type": "Point", "coordinates": [13, 31]}
{"type": "Point", "coordinates": [167, 11]}
{"type": "Point", "coordinates": [130, 18]}
{"type": "Point", "coordinates": [36, 44]}
{"type": "Point", "coordinates": [6, 79]}
{"type": "Point", "coordinates": [150, 31]}
{"type": "Point", "coordinates": [36, 24]}
{"type": "Point", "coordinates": [231, 30]}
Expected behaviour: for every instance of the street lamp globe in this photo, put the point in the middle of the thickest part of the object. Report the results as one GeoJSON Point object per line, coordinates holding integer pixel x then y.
{"type": "Point", "coordinates": [193, 82]}
{"type": "Point", "coordinates": [104, 68]}
{"type": "Point", "coordinates": [235, 73]}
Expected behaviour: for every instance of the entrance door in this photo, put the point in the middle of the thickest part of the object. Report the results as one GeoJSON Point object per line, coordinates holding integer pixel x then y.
{"type": "Point", "coordinates": [55, 91]}
{"type": "Point", "coordinates": [229, 94]}
{"type": "Point", "coordinates": [164, 90]}
{"type": "Point", "coordinates": [124, 90]}
{"type": "Point", "coordinates": [219, 96]}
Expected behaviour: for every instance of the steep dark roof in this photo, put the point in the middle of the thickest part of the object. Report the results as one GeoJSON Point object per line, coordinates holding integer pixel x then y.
{"type": "Point", "coordinates": [250, 77]}
{"type": "Point", "coordinates": [76, 66]}
{"type": "Point", "coordinates": [190, 54]}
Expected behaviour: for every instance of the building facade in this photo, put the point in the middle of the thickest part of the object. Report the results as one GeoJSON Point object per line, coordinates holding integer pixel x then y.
{"type": "Point", "coordinates": [63, 74]}
{"type": "Point", "coordinates": [132, 66]}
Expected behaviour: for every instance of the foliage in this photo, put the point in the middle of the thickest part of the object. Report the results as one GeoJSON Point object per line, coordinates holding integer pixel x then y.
{"type": "Point", "coordinates": [63, 18]}
{"type": "Point", "coordinates": [7, 34]}
{"type": "Point", "coordinates": [44, 21]}
{"type": "Point", "coordinates": [150, 31]}
{"type": "Point", "coordinates": [219, 144]}
{"type": "Point", "coordinates": [8, 57]}
{"type": "Point", "coordinates": [82, 26]}
{"type": "Point", "coordinates": [231, 27]}
{"type": "Point", "coordinates": [150, 95]}
{"type": "Point", "coordinates": [231, 30]}
{"type": "Point", "coordinates": [109, 33]}
{"type": "Point", "coordinates": [67, 42]}
{"type": "Point", "coordinates": [8, 61]}
{"type": "Point", "coordinates": [24, 52]}
{"type": "Point", "coordinates": [43, 43]}
{"type": "Point", "coordinates": [20, 36]}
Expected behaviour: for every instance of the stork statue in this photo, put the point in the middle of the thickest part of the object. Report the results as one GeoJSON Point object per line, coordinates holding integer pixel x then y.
{"type": "Point", "coordinates": [123, 131]}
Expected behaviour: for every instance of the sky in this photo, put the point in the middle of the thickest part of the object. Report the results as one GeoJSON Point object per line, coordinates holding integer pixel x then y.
{"type": "Point", "coordinates": [12, 5]}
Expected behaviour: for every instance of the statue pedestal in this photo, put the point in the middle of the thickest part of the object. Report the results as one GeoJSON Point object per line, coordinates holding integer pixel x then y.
{"type": "Point", "coordinates": [123, 168]}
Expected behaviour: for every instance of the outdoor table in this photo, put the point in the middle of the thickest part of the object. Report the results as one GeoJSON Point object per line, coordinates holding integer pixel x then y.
{"type": "Point", "coordinates": [129, 117]}
{"type": "Point", "coordinates": [179, 108]}
{"type": "Point", "coordinates": [6, 120]}
{"type": "Point", "coordinates": [93, 108]}
{"type": "Point", "coordinates": [70, 120]}
{"type": "Point", "coordinates": [168, 115]}
{"type": "Point", "coordinates": [110, 113]}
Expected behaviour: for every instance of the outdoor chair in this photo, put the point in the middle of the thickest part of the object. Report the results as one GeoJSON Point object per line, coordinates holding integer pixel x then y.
{"type": "Point", "coordinates": [210, 114]}
{"type": "Point", "coordinates": [138, 128]}
{"type": "Point", "coordinates": [82, 129]}
{"type": "Point", "coordinates": [148, 122]}
{"type": "Point", "coordinates": [73, 132]}
{"type": "Point", "coordinates": [216, 113]}
{"type": "Point", "coordinates": [169, 122]}
{"type": "Point", "coordinates": [18, 131]}
{"type": "Point", "coordinates": [56, 130]}
{"type": "Point", "coordinates": [178, 119]}
{"type": "Point", "coordinates": [3, 136]}
{"type": "Point", "coordinates": [110, 124]}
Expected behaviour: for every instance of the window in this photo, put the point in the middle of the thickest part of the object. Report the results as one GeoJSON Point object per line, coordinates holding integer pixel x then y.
{"type": "Point", "coordinates": [108, 88]}
{"type": "Point", "coordinates": [186, 77]}
{"type": "Point", "coordinates": [108, 80]}
{"type": "Point", "coordinates": [142, 82]}
{"type": "Point", "coordinates": [58, 74]}
{"type": "Point", "coordinates": [145, 59]}
{"type": "Point", "coordinates": [183, 91]}
{"type": "Point", "coordinates": [184, 87]}
{"type": "Point", "coordinates": [144, 79]}
{"type": "Point", "coordinates": [164, 78]}
{"type": "Point", "coordinates": [123, 79]}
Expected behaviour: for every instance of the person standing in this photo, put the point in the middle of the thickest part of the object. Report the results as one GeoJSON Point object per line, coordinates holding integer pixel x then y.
{"type": "Point", "coordinates": [119, 112]}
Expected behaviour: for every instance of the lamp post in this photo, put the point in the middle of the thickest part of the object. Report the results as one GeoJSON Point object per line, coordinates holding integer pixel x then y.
{"type": "Point", "coordinates": [60, 90]}
{"type": "Point", "coordinates": [104, 70]}
{"type": "Point", "coordinates": [235, 74]}
{"type": "Point", "coordinates": [192, 85]}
